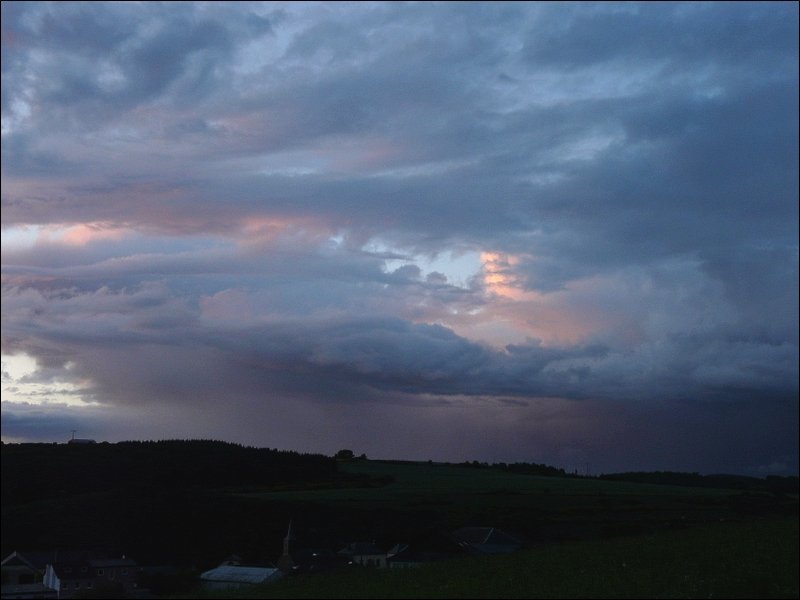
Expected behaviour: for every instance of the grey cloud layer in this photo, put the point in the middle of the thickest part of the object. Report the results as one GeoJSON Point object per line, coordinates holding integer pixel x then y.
{"type": "Point", "coordinates": [638, 162]}
{"type": "Point", "coordinates": [162, 347]}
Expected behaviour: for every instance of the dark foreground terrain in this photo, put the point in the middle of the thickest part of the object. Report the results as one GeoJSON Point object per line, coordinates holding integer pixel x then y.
{"type": "Point", "coordinates": [187, 505]}
{"type": "Point", "coordinates": [756, 559]}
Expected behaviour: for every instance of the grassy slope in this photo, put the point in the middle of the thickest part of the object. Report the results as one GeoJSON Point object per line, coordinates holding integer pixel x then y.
{"type": "Point", "coordinates": [419, 484]}
{"type": "Point", "coordinates": [540, 507]}
{"type": "Point", "coordinates": [757, 559]}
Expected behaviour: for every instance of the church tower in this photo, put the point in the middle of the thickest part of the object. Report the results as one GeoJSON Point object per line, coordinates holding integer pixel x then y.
{"type": "Point", "coordinates": [285, 562]}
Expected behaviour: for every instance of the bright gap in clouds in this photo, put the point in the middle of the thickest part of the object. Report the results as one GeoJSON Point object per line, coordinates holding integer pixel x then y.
{"type": "Point", "coordinates": [459, 267]}
{"type": "Point", "coordinates": [72, 234]}
{"type": "Point", "coordinates": [20, 384]}
{"type": "Point", "coordinates": [502, 319]}
{"type": "Point", "coordinates": [24, 236]}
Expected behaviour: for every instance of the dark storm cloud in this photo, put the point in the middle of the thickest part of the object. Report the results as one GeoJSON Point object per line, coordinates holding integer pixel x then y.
{"type": "Point", "coordinates": [245, 201]}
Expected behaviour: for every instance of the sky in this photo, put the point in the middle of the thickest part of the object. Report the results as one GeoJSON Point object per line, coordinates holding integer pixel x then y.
{"type": "Point", "coordinates": [541, 232]}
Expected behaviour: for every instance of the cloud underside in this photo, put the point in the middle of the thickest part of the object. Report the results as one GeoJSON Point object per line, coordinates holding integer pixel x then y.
{"type": "Point", "coordinates": [401, 215]}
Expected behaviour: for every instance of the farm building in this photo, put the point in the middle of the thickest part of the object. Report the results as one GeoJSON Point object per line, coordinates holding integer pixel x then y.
{"type": "Point", "coordinates": [365, 554]}
{"type": "Point", "coordinates": [429, 546]}
{"type": "Point", "coordinates": [234, 577]}
{"type": "Point", "coordinates": [487, 540]}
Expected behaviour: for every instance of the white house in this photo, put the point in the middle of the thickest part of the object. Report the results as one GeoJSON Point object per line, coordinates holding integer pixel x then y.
{"type": "Point", "coordinates": [23, 579]}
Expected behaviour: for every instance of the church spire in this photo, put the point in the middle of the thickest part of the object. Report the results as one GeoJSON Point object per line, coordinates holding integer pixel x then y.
{"type": "Point", "coordinates": [285, 562]}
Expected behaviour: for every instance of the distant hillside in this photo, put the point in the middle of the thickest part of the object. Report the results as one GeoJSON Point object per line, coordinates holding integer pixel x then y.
{"type": "Point", "coordinates": [772, 483]}
{"type": "Point", "coordinates": [31, 471]}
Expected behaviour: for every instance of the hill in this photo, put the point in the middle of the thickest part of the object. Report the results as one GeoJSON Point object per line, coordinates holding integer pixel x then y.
{"type": "Point", "coordinates": [424, 495]}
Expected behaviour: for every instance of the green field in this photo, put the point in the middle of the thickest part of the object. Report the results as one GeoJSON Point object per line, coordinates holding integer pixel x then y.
{"type": "Point", "coordinates": [422, 484]}
{"type": "Point", "coordinates": [542, 508]}
{"type": "Point", "coordinates": [757, 559]}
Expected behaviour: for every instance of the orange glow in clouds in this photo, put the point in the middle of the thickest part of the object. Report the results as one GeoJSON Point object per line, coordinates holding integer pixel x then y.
{"type": "Point", "coordinates": [85, 233]}
{"type": "Point", "coordinates": [81, 234]}
{"type": "Point", "coordinates": [514, 314]}
{"type": "Point", "coordinates": [499, 278]}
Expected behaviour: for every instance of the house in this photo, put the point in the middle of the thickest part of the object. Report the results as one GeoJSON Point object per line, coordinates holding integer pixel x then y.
{"type": "Point", "coordinates": [21, 578]}
{"type": "Point", "coordinates": [366, 554]}
{"type": "Point", "coordinates": [487, 540]}
{"type": "Point", "coordinates": [81, 441]}
{"type": "Point", "coordinates": [78, 572]}
{"type": "Point", "coordinates": [65, 574]}
{"type": "Point", "coordinates": [428, 546]}
{"type": "Point", "coordinates": [234, 577]}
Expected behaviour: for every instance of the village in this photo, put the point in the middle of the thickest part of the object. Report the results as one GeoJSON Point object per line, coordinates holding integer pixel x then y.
{"type": "Point", "coordinates": [79, 573]}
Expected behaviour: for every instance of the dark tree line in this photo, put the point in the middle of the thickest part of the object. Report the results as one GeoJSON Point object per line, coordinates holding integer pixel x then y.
{"type": "Point", "coordinates": [159, 502]}
{"type": "Point", "coordinates": [520, 468]}
{"type": "Point", "coordinates": [34, 471]}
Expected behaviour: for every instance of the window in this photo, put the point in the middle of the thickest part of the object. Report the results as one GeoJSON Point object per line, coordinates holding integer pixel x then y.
{"type": "Point", "coordinates": [77, 585]}
{"type": "Point", "coordinates": [90, 585]}
{"type": "Point", "coordinates": [124, 571]}
{"type": "Point", "coordinates": [100, 572]}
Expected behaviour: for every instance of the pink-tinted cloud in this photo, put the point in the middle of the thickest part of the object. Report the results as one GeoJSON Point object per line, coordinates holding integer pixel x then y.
{"type": "Point", "coordinates": [238, 216]}
{"type": "Point", "coordinates": [81, 234]}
